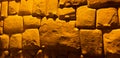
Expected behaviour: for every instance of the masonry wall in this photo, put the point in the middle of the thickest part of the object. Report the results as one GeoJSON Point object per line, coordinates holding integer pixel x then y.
{"type": "Point", "coordinates": [59, 29]}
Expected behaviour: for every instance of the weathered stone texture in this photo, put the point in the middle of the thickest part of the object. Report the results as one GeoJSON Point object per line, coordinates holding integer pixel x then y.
{"type": "Point", "coordinates": [13, 24]}
{"type": "Point", "coordinates": [31, 39]}
{"type": "Point", "coordinates": [103, 3]}
{"type": "Point", "coordinates": [91, 43]}
{"type": "Point", "coordinates": [112, 43]}
{"type": "Point", "coordinates": [107, 17]}
{"type": "Point", "coordinates": [55, 33]}
{"type": "Point", "coordinates": [66, 13]}
{"type": "Point", "coordinates": [26, 7]}
{"type": "Point", "coordinates": [39, 7]}
{"type": "Point", "coordinates": [31, 22]}
{"type": "Point", "coordinates": [85, 17]}
{"type": "Point", "coordinates": [16, 41]}
{"type": "Point", "coordinates": [13, 7]}
{"type": "Point", "coordinates": [4, 41]}
{"type": "Point", "coordinates": [4, 9]}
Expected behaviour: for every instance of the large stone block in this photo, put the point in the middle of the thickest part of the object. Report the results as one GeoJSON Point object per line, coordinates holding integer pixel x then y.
{"type": "Point", "coordinates": [39, 7]}
{"type": "Point", "coordinates": [31, 22]}
{"type": "Point", "coordinates": [66, 13]}
{"type": "Point", "coordinates": [4, 41]}
{"type": "Point", "coordinates": [13, 7]}
{"type": "Point", "coordinates": [13, 24]}
{"type": "Point", "coordinates": [112, 43]}
{"type": "Point", "coordinates": [16, 41]}
{"type": "Point", "coordinates": [31, 39]}
{"type": "Point", "coordinates": [25, 7]}
{"type": "Point", "coordinates": [107, 17]}
{"type": "Point", "coordinates": [59, 33]}
{"type": "Point", "coordinates": [91, 43]}
{"type": "Point", "coordinates": [4, 9]}
{"type": "Point", "coordinates": [85, 17]}
{"type": "Point", "coordinates": [103, 3]}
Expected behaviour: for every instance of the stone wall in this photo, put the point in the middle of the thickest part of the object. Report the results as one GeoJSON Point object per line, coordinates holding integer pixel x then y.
{"type": "Point", "coordinates": [59, 29]}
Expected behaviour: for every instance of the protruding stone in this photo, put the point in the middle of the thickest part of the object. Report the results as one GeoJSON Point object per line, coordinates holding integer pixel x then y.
{"type": "Point", "coordinates": [112, 43]}
{"type": "Point", "coordinates": [66, 13]}
{"type": "Point", "coordinates": [4, 9]}
{"type": "Point", "coordinates": [4, 41]}
{"type": "Point", "coordinates": [85, 17]}
{"type": "Point", "coordinates": [26, 7]}
{"type": "Point", "coordinates": [39, 8]}
{"type": "Point", "coordinates": [91, 43]}
{"type": "Point", "coordinates": [31, 39]}
{"type": "Point", "coordinates": [13, 24]}
{"type": "Point", "coordinates": [58, 33]}
{"type": "Point", "coordinates": [13, 7]}
{"type": "Point", "coordinates": [103, 3]}
{"type": "Point", "coordinates": [16, 41]}
{"type": "Point", "coordinates": [107, 17]}
{"type": "Point", "coordinates": [31, 22]}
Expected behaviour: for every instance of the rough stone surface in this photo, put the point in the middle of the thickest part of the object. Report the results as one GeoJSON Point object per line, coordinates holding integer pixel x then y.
{"type": "Point", "coordinates": [55, 33]}
{"type": "Point", "coordinates": [52, 6]}
{"type": "Point", "coordinates": [66, 13]}
{"type": "Point", "coordinates": [4, 41]}
{"type": "Point", "coordinates": [103, 3]}
{"type": "Point", "coordinates": [16, 41]}
{"type": "Point", "coordinates": [39, 7]}
{"type": "Point", "coordinates": [85, 17]}
{"type": "Point", "coordinates": [26, 7]}
{"type": "Point", "coordinates": [13, 7]}
{"type": "Point", "coordinates": [107, 17]}
{"type": "Point", "coordinates": [13, 24]}
{"type": "Point", "coordinates": [4, 9]}
{"type": "Point", "coordinates": [112, 43]}
{"type": "Point", "coordinates": [91, 43]}
{"type": "Point", "coordinates": [31, 39]}
{"type": "Point", "coordinates": [31, 22]}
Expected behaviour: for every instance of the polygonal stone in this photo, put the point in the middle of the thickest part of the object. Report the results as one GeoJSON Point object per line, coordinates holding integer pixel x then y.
{"type": "Point", "coordinates": [4, 9]}
{"type": "Point", "coordinates": [52, 7]}
{"type": "Point", "coordinates": [16, 41]}
{"type": "Point", "coordinates": [4, 41]}
{"type": "Point", "coordinates": [103, 3]}
{"type": "Point", "coordinates": [107, 17]}
{"type": "Point", "coordinates": [85, 17]}
{"type": "Point", "coordinates": [58, 33]}
{"type": "Point", "coordinates": [13, 7]}
{"type": "Point", "coordinates": [31, 39]}
{"type": "Point", "coordinates": [13, 24]}
{"type": "Point", "coordinates": [112, 43]}
{"type": "Point", "coordinates": [31, 22]}
{"type": "Point", "coordinates": [66, 13]}
{"type": "Point", "coordinates": [39, 7]}
{"type": "Point", "coordinates": [91, 43]}
{"type": "Point", "coordinates": [25, 7]}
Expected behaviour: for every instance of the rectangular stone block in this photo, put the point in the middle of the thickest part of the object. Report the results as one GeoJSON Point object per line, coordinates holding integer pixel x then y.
{"type": "Point", "coordinates": [52, 7]}
{"type": "Point", "coordinates": [66, 13]}
{"type": "Point", "coordinates": [16, 41]}
{"type": "Point", "coordinates": [4, 9]}
{"type": "Point", "coordinates": [13, 7]}
{"type": "Point", "coordinates": [13, 24]}
{"type": "Point", "coordinates": [4, 41]}
{"type": "Point", "coordinates": [91, 43]}
{"type": "Point", "coordinates": [85, 17]}
{"type": "Point", "coordinates": [112, 43]}
{"type": "Point", "coordinates": [31, 22]}
{"type": "Point", "coordinates": [103, 3]}
{"type": "Point", "coordinates": [107, 17]}
{"type": "Point", "coordinates": [31, 39]}
{"type": "Point", "coordinates": [25, 7]}
{"type": "Point", "coordinates": [39, 7]}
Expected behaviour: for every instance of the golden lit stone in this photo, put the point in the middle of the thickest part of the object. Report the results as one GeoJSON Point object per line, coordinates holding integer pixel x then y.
{"type": "Point", "coordinates": [4, 9]}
